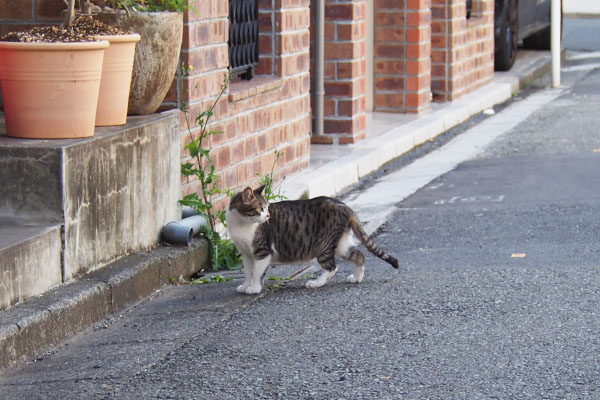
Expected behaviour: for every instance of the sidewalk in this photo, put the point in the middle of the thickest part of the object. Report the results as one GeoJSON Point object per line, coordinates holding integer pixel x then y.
{"type": "Point", "coordinates": [30, 328]}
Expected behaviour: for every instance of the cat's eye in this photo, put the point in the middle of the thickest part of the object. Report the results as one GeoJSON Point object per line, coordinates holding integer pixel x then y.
{"type": "Point", "coordinates": [259, 210]}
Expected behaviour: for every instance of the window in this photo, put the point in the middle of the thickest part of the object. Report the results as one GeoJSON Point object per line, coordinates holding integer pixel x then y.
{"type": "Point", "coordinates": [243, 37]}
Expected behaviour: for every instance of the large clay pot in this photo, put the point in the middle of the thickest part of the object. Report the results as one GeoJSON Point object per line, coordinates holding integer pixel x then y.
{"type": "Point", "coordinates": [50, 90]}
{"type": "Point", "coordinates": [116, 79]}
{"type": "Point", "coordinates": [156, 55]}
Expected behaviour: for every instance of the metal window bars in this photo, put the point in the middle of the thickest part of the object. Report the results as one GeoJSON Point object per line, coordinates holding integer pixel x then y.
{"type": "Point", "coordinates": [243, 37]}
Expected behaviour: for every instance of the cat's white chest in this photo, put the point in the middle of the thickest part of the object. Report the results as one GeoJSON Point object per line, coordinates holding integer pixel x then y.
{"type": "Point", "coordinates": [241, 231]}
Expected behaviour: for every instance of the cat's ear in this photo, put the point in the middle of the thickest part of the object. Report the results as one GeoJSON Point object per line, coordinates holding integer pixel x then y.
{"type": "Point", "coordinates": [247, 195]}
{"type": "Point", "coordinates": [259, 191]}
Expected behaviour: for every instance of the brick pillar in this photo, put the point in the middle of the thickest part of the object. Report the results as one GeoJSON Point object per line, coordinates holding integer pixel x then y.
{"type": "Point", "coordinates": [462, 49]}
{"type": "Point", "coordinates": [418, 55]}
{"type": "Point", "coordinates": [344, 109]}
{"type": "Point", "coordinates": [402, 55]}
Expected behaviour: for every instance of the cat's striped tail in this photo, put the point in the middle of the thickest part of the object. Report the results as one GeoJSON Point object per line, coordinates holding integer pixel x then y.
{"type": "Point", "coordinates": [360, 233]}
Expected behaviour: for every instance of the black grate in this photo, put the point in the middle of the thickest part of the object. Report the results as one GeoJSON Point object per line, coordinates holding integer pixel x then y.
{"type": "Point", "coordinates": [243, 37]}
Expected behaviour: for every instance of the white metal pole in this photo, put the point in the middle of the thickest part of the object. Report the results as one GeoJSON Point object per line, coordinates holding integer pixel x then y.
{"type": "Point", "coordinates": [555, 30]}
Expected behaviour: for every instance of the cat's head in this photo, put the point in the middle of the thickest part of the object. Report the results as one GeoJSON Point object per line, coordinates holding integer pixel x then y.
{"type": "Point", "coordinates": [251, 204]}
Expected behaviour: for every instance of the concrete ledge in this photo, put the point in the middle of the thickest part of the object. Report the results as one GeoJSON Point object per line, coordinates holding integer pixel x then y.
{"type": "Point", "coordinates": [112, 193]}
{"type": "Point", "coordinates": [30, 260]}
{"type": "Point", "coordinates": [31, 327]}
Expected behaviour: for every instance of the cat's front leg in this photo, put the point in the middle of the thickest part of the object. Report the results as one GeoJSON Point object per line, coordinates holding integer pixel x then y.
{"type": "Point", "coordinates": [258, 272]}
{"type": "Point", "coordinates": [248, 263]}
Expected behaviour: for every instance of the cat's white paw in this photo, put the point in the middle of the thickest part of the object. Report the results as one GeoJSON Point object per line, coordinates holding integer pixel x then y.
{"type": "Point", "coordinates": [353, 279]}
{"type": "Point", "coordinates": [313, 283]}
{"type": "Point", "coordinates": [242, 288]}
{"type": "Point", "coordinates": [253, 289]}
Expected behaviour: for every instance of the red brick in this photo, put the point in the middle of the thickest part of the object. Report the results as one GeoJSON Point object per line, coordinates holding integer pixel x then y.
{"type": "Point", "coordinates": [418, 4]}
{"type": "Point", "coordinates": [351, 31]}
{"type": "Point", "coordinates": [389, 18]}
{"type": "Point", "coordinates": [344, 50]}
{"type": "Point", "coordinates": [389, 66]}
{"type": "Point", "coordinates": [330, 30]}
{"type": "Point", "coordinates": [352, 69]}
{"type": "Point", "coordinates": [389, 50]}
{"type": "Point", "coordinates": [337, 125]}
{"type": "Point", "coordinates": [389, 101]}
{"type": "Point", "coordinates": [345, 11]}
{"type": "Point", "coordinates": [324, 139]}
{"type": "Point", "coordinates": [418, 50]}
{"type": "Point", "coordinates": [46, 10]}
{"type": "Point", "coordinates": [221, 157]}
{"type": "Point", "coordinates": [389, 4]}
{"type": "Point", "coordinates": [418, 18]}
{"type": "Point", "coordinates": [389, 83]}
{"type": "Point", "coordinates": [351, 107]}
{"type": "Point", "coordinates": [22, 10]}
{"type": "Point", "coordinates": [389, 34]}
{"type": "Point", "coordinates": [265, 22]}
{"type": "Point", "coordinates": [288, 20]}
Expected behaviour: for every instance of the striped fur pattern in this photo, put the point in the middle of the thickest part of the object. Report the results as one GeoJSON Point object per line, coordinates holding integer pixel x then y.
{"type": "Point", "coordinates": [296, 231]}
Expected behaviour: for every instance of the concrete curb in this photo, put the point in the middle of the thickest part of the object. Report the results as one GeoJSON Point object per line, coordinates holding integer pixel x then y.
{"type": "Point", "coordinates": [364, 158]}
{"type": "Point", "coordinates": [30, 328]}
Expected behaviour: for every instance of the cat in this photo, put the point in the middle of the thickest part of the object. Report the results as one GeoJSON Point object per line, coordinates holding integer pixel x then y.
{"type": "Point", "coordinates": [296, 231]}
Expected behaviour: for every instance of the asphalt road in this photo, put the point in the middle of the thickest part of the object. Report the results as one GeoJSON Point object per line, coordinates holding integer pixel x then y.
{"type": "Point", "coordinates": [497, 296]}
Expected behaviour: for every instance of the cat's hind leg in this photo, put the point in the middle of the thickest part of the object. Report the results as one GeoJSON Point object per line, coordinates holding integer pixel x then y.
{"type": "Point", "coordinates": [327, 262]}
{"type": "Point", "coordinates": [358, 259]}
{"type": "Point", "coordinates": [346, 249]}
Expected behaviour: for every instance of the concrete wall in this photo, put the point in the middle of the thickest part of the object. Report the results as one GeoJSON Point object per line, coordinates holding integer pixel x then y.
{"type": "Point", "coordinates": [112, 193]}
{"type": "Point", "coordinates": [31, 182]}
{"type": "Point", "coordinates": [119, 190]}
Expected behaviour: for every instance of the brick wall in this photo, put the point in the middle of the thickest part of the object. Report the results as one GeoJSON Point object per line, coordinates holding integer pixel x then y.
{"type": "Point", "coordinates": [18, 15]}
{"type": "Point", "coordinates": [462, 54]}
{"type": "Point", "coordinates": [402, 55]}
{"type": "Point", "coordinates": [272, 111]}
{"type": "Point", "coordinates": [344, 103]}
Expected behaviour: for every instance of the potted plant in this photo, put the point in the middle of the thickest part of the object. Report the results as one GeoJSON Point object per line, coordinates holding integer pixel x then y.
{"type": "Point", "coordinates": [160, 23]}
{"type": "Point", "coordinates": [50, 78]}
{"type": "Point", "coordinates": [35, 107]}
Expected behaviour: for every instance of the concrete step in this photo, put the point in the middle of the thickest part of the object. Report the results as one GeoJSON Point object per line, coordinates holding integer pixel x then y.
{"type": "Point", "coordinates": [111, 193]}
{"type": "Point", "coordinates": [30, 260]}
{"type": "Point", "coordinates": [35, 325]}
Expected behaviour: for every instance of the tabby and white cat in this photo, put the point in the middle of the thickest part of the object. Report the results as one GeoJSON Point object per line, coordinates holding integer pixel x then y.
{"type": "Point", "coordinates": [296, 231]}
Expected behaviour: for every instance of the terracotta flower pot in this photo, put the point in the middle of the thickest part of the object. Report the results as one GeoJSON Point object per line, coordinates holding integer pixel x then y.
{"type": "Point", "coordinates": [116, 79]}
{"type": "Point", "coordinates": [156, 55]}
{"type": "Point", "coordinates": [50, 90]}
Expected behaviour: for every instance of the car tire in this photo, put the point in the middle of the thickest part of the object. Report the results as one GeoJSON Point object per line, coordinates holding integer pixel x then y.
{"type": "Point", "coordinates": [506, 53]}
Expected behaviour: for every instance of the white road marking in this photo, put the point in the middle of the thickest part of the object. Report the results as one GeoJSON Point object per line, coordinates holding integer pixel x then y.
{"type": "Point", "coordinates": [584, 67]}
{"type": "Point", "coordinates": [584, 55]}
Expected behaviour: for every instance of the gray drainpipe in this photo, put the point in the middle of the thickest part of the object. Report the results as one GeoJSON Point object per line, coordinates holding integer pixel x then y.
{"type": "Point", "coordinates": [182, 231]}
{"type": "Point", "coordinates": [319, 47]}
